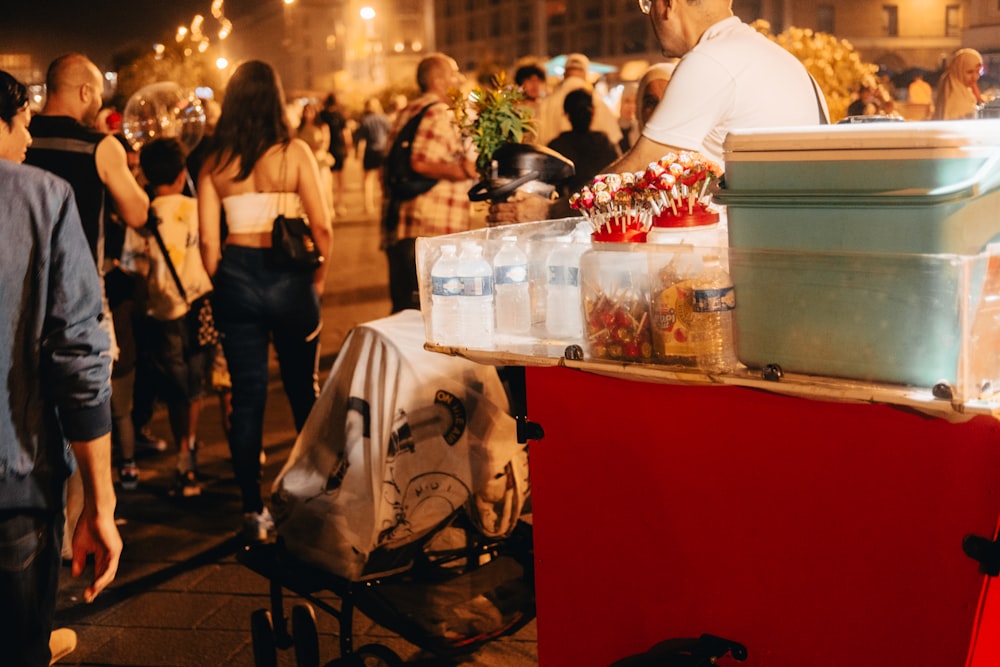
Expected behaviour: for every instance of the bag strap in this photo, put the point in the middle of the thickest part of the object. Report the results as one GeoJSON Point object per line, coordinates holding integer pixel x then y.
{"type": "Point", "coordinates": [281, 179]}
{"type": "Point", "coordinates": [823, 119]}
{"type": "Point", "coordinates": [154, 229]}
{"type": "Point", "coordinates": [409, 130]}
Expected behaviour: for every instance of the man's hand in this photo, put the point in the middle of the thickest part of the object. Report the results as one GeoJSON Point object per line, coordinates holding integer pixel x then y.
{"type": "Point", "coordinates": [520, 207]}
{"type": "Point", "coordinates": [96, 533]}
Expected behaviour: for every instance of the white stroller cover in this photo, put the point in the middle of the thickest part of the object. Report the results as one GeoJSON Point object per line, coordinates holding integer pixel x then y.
{"type": "Point", "coordinates": [399, 439]}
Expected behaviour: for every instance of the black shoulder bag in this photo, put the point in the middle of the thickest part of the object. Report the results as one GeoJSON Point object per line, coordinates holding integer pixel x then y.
{"type": "Point", "coordinates": [200, 319]}
{"type": "Point", "coordinates": [293, 247]}
{"type": "Point", "coordinates": [400, 181]}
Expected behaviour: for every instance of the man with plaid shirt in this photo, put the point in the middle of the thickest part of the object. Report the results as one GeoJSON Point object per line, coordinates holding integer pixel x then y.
{"type": "Point", "coordinates": [436, 152]}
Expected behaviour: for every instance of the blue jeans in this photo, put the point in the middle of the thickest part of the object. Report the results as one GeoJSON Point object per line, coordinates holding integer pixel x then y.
{"type": "Point", "coordinates": [254, 306]}
{"type": "Point", "coordinates": [30, 548]}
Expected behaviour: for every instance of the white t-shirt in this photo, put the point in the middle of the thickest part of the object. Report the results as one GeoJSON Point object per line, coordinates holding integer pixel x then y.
{"type": "Point", "coordinates": [734, 78]}
{"type": "Point", "coordinates": [178, 227]}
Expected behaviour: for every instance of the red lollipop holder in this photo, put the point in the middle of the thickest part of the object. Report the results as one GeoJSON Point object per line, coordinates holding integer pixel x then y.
{"type": "Point", "coordinates": [699, 216]}
{"type": "Point", "coordinates": [627, 235]}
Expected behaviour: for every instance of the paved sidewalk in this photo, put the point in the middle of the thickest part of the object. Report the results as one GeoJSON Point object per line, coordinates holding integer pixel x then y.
{"type": "Point", "coordinates": [181, 598]}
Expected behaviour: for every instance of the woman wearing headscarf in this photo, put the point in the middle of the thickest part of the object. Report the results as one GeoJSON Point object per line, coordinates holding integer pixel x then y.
{"type": "Point", "coordinates": [958, 90]}
{"type": "Point", "coordinates": [652, 86]}
{"type": "Point", "coordinates": [256, 171]}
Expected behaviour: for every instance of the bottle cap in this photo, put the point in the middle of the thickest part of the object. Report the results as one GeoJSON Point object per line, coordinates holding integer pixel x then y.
{"type": "Point", "coordinates": [619, 236]}
{"type": "Point", "coordinates": [700, 217]}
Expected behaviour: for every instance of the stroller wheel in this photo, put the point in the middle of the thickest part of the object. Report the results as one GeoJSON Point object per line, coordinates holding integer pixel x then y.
{"type": "Point", "coordinates": [304, 636]}
{"type": "Point", "coordinates": [369, 655]}
{"type": "Point", "coordinates": [265, 645]}
{"type": "Point", "coordinates": [377, 655]}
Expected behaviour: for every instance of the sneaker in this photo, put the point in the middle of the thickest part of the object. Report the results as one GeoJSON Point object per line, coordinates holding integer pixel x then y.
{"type": "Point", "coordinates": [128, 476]}
{"type": "Point", "coordinates": [186, 485]}
{"type": "Point", "coordinates": [62, 642]}
{"type": "Point", "coordinates": [258, 526]}
{"type": "Point", "coordinates": [144, 438]}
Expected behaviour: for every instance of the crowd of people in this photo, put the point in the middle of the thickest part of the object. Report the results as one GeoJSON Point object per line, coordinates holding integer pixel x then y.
{"type": "Point", "coordinates": [107, 256]}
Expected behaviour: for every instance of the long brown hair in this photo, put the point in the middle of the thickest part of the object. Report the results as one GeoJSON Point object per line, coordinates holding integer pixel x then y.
{"type": "Point", "coordinates": [252, 118]}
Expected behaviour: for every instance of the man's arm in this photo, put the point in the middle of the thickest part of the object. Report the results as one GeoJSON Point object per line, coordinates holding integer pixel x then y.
{"type": "Point", "coordinates": [640, 155]}
{"type": "Point", "coordinates": [524, 207]}
{"type": "Point", "coordinates": [436, 148]}
{"type": "Point", "coordinates": [112, 166]}
{"type": "Point", "coordinates": [96, 532]}
{"type": "Point", "coordinates": [75, 373]}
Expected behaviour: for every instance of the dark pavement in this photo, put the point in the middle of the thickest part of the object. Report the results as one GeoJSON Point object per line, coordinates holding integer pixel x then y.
{"type": "Point", "coordinates": [181, 598]}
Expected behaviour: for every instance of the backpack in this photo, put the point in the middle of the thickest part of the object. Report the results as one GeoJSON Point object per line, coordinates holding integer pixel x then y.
{"type": "Point", "coordinates": [399, 179]}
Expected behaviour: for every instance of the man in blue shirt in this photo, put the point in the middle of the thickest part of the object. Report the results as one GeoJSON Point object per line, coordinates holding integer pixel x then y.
{"type": "Point", "coordinates": [57, 388]}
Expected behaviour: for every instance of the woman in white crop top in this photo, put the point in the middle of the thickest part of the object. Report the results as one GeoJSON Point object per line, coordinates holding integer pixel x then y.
{"type": "Point", "coordinates": [254, 171]}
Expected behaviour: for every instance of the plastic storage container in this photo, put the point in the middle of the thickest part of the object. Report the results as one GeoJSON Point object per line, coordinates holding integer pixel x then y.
{"type": "Point", "coordinates": [614, 286]}
{"type": "Point", "coordinates": [865, 223]}
{"type": "Point", "coordinates": [673, 271]}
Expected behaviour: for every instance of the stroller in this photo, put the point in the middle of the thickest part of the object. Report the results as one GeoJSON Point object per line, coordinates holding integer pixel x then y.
{"type": "Point", "coordinates": [403, 496]}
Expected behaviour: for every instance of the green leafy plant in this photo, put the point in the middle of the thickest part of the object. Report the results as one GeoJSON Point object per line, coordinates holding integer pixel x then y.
{"type": "Point", "coordinates": [491, 117]}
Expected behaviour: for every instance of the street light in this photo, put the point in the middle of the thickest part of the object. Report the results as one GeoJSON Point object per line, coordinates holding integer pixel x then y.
{"type": "Point", "coordinates": [373, 46]}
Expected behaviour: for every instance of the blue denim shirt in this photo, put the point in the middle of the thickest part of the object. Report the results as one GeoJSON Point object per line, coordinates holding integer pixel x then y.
{"type": "Point", "coordinates": [54, 358]}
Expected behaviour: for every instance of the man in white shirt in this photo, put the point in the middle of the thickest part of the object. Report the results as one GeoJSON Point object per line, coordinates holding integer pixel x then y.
{"type": "Point", "coordinates": [729, 77]}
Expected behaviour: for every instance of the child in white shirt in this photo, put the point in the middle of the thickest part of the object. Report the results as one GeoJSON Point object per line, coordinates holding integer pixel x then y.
{"type": "Point", "coordinates": [178, 360]}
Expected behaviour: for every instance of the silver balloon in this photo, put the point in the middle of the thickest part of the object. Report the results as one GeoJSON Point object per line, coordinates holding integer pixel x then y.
{"type": "Point", "coordinates": [163, 110]}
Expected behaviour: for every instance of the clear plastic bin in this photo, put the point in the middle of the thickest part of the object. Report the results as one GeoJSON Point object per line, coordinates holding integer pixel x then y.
{"type": "Point", "coordinates": [899, 319]}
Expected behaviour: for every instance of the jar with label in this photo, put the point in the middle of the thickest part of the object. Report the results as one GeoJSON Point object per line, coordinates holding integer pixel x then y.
{"type": "Point", "coordinates": [683, 241]}
{"type": "Point", "coordinates": [700, 229]}
{"type": "Point", "coordinates": [614, 279]}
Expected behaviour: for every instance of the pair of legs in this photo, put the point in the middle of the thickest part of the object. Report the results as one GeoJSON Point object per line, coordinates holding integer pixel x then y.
{"type": "Point", "coordinates": [337, 170]}
{"type": "Point", "coordinates": [372, 164]}
{"type": "Point", "coordinates": [180, 368]}
{"type": "Point", "coordinates": [256, 306]}
{"type": "Point", "coordinates": [30, 545]}
{"type": "Point", "coordinates": [404, 289]}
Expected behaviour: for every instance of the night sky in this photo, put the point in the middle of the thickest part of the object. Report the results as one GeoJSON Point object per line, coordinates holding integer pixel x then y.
{"type": "Point", "coordinates": [98, 28]}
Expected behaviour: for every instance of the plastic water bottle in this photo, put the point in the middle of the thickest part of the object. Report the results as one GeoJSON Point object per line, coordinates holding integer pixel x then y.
{"type": "Point", "coordinates": [712, 318]}
{"type": "Point", "coordinates": [475, 301]}
{"type": "Point", "coordinates": [563, 310]}
{"type": "Point", "coordinates": [510, 287]}
{"type": "Point", "coordinates": [445, 291]}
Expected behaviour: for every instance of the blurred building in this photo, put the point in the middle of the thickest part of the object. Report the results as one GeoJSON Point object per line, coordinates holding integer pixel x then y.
{"type": "Point", "coordinates": [22, 67]}
{"type": "Point", "coordinates": [305, 40]}
{"type": "Point", "coordinates": [321, 45]}
{"type": "Point", "coordinates": [897, 35]}
{"type": "Point", "coordinates": [378, 42]}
